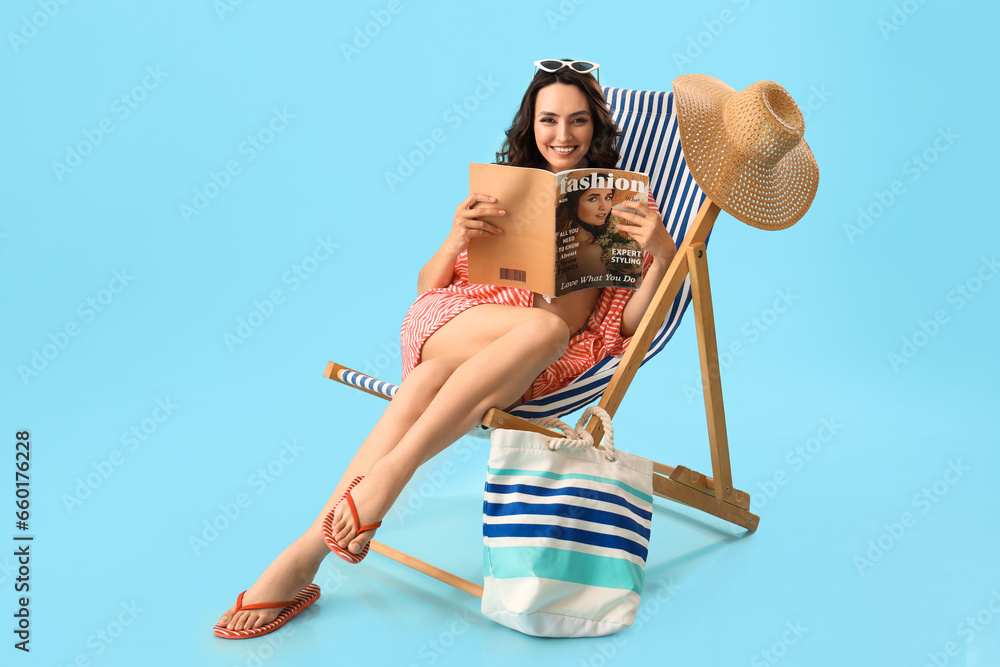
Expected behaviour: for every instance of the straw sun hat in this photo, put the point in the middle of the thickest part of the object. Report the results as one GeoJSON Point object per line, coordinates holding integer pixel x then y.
{"type": "Point", "coordinates": [745, 149]}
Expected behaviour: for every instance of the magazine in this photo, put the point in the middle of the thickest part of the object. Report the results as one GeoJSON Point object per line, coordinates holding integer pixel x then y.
{"type": "Point", "coordinates": [561, 231]}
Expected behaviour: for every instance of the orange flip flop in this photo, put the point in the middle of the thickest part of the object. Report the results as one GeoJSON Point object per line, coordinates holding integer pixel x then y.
{"type": "Point", "coordinates": [306, 597]}
{"type": "Point", "coordinates": [328, 526]}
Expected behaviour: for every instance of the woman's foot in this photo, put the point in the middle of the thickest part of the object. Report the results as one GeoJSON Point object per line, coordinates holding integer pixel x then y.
{"type": "Point", "coordinates": [373, 497]}
{"type": "Point", "coordinates": [290, 572]}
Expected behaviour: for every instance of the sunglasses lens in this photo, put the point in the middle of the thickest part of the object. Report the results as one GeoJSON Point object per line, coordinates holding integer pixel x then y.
{"type": "Point", "coordinates": [583, 66]}
{"type": "Point", "coordinates": [550, 65]}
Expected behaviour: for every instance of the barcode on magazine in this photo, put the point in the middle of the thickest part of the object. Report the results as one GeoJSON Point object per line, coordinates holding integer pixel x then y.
{"type": "Point", "coordinates": [514, 274]}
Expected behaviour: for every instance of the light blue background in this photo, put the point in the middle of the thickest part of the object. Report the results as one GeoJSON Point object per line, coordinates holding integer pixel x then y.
{"type": "Point", "coordinates": [874, 98]}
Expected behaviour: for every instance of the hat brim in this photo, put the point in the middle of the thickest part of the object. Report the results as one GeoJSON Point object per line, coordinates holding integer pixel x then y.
{"type": "Point", "coordinates": [762, 195]}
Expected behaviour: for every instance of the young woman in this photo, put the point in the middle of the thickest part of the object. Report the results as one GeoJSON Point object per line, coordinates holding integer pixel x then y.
{"type": "Point", "coordinates": [467, 348]}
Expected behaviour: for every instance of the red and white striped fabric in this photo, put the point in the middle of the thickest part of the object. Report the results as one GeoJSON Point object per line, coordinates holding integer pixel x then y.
{"type": "Point", "coordinates": [599, 338]}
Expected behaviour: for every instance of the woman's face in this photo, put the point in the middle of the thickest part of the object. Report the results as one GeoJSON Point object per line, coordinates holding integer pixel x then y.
{"type": "Point", "coordinates": [563, 126]}
{"type": "Point", "coordinates": [594, 206]}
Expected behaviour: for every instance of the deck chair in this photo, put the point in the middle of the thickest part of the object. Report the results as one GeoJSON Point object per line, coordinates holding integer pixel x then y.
{"type": "Point", "coordinates": [650, 143]}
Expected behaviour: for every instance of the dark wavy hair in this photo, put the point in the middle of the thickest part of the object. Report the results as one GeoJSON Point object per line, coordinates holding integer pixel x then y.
{"type": "Point", "coordinates": [568, 215]}
{"type": "Point", "coordinates": [519, 149]}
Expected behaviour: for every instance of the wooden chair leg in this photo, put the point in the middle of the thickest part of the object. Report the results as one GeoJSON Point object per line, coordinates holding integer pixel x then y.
{"type": "Point", "coordinates": [711, 379]}
{"type": "Point", "coordinates": [428, 569]}
{"type": "Point", "coordinates": [666, 487]}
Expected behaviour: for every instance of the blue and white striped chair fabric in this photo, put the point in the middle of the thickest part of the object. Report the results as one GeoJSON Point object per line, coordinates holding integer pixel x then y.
{"type": "Point", "coordinates": [357, 379]}
{"type": "Point", "coordinates": [650, 143]}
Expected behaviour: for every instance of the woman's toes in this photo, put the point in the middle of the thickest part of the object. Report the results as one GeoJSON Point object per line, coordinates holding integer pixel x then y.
{"type": "Point", "coordinates": [342, 530]}
{"type": "Point", "coordinates": [228, 616]}
{"type": "Point", "coordinates": [358, 544]}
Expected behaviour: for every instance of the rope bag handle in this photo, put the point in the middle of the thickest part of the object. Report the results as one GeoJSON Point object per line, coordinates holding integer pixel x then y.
{"type": "Point", "coordinates": [580, 436]}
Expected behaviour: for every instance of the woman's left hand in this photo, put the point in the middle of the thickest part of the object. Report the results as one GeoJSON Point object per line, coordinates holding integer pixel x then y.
{"type": "Point", "coordinates": [648, 231]}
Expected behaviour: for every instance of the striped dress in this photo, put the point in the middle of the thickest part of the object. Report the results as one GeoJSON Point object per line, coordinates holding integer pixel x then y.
{"type": "Point", "coordinates": [600, 336]}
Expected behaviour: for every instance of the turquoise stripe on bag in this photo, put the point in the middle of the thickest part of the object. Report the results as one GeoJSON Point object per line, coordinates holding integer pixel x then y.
{"type": "Point", "coordinates": [555, 475]}
{"type": "Point", "coordinates": [563, 565]}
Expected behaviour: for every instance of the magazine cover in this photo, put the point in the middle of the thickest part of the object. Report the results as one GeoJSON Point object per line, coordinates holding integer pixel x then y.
{"type": "Point", "coordinates": [592, 250]}
{"type": "Point", "coordinates": [561, 231]}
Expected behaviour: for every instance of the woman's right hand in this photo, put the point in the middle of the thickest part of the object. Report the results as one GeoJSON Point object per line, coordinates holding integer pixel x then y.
{"type": "Point", "coordinates": [467, 224]}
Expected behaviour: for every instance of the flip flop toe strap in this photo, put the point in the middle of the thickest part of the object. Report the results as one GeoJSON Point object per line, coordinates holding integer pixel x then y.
{"type": "Point", "coordinates": [261, 605]}
{"type": "Point", "coordinates": [357, 519]}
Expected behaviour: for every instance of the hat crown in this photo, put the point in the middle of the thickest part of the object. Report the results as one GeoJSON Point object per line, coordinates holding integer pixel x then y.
{"type": "Point", "coordinates": [746, 149]}
{"type": "Point", "coordinates": [763, 122]}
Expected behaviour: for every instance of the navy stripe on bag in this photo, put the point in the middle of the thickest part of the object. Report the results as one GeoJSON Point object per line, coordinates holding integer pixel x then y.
{"type": "Point", "coordinates": [568, 511]}
{"type": "Point", "coordinates": [493, 530]}
{"type": "Point", "coordinates": [579, 492]}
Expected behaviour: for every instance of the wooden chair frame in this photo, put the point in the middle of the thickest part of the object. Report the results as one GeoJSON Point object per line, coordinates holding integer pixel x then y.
{"type": "Point", "coordinates": [714, 495]}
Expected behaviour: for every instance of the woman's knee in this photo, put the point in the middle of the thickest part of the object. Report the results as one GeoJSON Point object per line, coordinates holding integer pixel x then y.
{"type": "Point", "coordinates": [433, 372]}
{"type": "Point", "coordinates": [550, 330]}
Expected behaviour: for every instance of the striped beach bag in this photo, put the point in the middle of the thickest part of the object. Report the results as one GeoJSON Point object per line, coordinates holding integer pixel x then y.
{"type": "Point", "coordinates": [565, 531]}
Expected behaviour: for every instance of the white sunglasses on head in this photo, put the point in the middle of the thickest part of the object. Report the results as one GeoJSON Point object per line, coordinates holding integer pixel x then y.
{"type": "Point", "coordinates": [581, 66]}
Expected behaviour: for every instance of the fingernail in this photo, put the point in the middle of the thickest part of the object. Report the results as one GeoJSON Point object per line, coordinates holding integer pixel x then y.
{"type": "Point", "coordinates": [503, 212]}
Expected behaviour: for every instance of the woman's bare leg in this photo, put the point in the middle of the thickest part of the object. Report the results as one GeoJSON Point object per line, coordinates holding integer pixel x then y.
{"type": "Point", "coordinates": [296, 566]}
{"type": "Point", "coordinates": [496, 375]}
{"type": "Point", "coordinates": [450, 348]}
